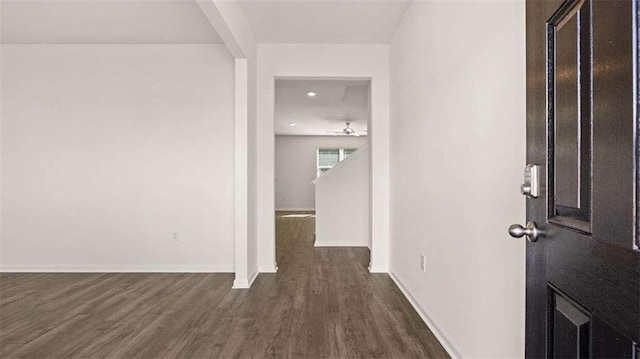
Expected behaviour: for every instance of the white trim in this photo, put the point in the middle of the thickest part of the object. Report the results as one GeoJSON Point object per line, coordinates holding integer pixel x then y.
{"type": "Point", "coordinates": [273, 269]}
{"type": "Point", "coordinates": [245, 284]}
{"type": "Point", "coordinates": [339, 244]}
{"type": "Point", "coordinates": [377, 269]}
{"type": "Point", "coordinates": [253, 277]}
{"type": "Point", "coordinates": [295, 209]}
{"type": "Point", "coordinates": [442, 338]}
{"type": "Point", "coordinates": [339, 61]}
{"type": "Point", "coordinates": [115, 269]}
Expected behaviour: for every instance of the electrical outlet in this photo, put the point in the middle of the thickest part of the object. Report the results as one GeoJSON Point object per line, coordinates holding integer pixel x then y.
{"type": "Point", "coordinates": [423, 262]}
{"type": "Point", "coordinates": [175, 237]}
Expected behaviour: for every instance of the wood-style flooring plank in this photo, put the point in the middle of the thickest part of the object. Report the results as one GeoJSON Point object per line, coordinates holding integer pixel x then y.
{"type": "Point", "coordinates": [322, 303]}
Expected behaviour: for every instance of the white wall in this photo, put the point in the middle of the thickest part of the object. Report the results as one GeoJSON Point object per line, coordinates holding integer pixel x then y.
{"type": "Point", "coordinates": [458, 140]}
{"type": "Point", "coordinates": [343, 203]}
{"type": "Point", "coordinates": [108, 149]}
{"type": "Point", "coordinates": [313, 61]}
{"type": "Point", "coordinates": [296, 160]}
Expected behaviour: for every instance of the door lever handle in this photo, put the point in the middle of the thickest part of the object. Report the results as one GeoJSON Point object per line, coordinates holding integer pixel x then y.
{"type": "Point", "coordinates": [531, 231]}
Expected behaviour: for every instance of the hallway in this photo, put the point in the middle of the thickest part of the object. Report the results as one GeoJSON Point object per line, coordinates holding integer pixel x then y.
{"type": "Point", "coordinates": [338, 308]}
{"type": "Point", "coordinates": [323, 303]}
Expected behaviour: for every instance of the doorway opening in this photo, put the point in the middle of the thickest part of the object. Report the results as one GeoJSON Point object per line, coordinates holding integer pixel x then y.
{"type": "Point", "coordinates": [322, 169]}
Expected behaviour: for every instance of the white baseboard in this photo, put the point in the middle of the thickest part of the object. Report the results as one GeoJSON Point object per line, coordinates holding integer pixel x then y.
{"type": "Point", "coordinates": [338, 244]}
{"type": "Point", "coordinates": [442, 338]}
{"type": "Point", "coordinates": [253, 278]}
{"type": "Point", "coordinates": [295, 209]}
{"type": "Point", "coordinates": [375, 269]}
{"type": "Point", "coordinates": [242, 283]}
{"type": "Point", "coordinates": [273, 269]}
{"type": "Point", "coordinates": [115, 269]}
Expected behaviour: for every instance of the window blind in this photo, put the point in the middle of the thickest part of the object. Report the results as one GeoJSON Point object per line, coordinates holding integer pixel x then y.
{"type": "Point", "coordinates": [328, 157]}
{"type": "Point", "coordinates": [348, 151]}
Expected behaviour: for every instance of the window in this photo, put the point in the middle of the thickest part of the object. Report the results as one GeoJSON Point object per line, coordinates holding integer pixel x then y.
{"type": "Point", "coordinates": [329, 157]}
{"type": "Point", "coordinates": [348, 151]}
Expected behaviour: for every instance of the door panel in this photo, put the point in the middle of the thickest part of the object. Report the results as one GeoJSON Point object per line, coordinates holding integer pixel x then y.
{"type": "Point", "coordinates": [583, 275]}
{"type": "Point", "coordinates": [613, 121]}
{"type": "Point", "coordinates": [570, 328]}
{"type": "Point", "coordinates": [567, 83]}
{"type": "Point", "coordinates": [569, 116]}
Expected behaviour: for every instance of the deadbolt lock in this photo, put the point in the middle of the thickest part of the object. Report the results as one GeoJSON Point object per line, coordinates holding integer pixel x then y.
{"type": "Point", "coordinates": [531, 185]}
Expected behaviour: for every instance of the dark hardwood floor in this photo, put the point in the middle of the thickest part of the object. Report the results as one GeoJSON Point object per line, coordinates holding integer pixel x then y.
{"type": "Point", "coordinates": [322, 303]}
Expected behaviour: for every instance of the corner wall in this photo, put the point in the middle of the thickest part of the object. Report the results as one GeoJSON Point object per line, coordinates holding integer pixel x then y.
{"type": "Point", "coordinates": [109, 149]}
{"type": "Point", "coordinates": [458, 150]}
{"type": "Point", "coordinates": [342, 203]}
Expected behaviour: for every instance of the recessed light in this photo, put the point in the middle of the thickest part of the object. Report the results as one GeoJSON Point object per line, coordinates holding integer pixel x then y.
{"type": "Point", "coordinates": [312, 93]}
{"type": "Point", "coordinates": [292, 124]}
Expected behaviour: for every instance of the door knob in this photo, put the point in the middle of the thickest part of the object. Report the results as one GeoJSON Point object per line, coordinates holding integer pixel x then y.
{"type": "Point", "coordinates": [531, 231]}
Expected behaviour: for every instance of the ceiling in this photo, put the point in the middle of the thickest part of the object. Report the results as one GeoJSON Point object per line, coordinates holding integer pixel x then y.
{"type": "Point", "coordinates": [104, 21]}
{"type": "Point", "coordinates": [182, 21]}
{"type": "Point", "coordinates": [324, 21]}
{"type": "Point", "coordinates": [336, 102]}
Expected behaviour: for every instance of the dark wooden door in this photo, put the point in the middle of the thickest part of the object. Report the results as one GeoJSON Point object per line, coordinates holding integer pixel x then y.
{"type": "Point", "coordinates": [583, 273]}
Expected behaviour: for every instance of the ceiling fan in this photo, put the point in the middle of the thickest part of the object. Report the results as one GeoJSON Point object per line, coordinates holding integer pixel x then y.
{"type": "Point", "coordinates": [348, 131]}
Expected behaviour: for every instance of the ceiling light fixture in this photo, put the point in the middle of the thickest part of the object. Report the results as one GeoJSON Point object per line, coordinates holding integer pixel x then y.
{"type": "Point", "coordinates": [292, 124]}
{"type": "Point", "coordinates": [312, 93]}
